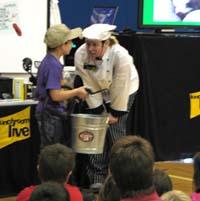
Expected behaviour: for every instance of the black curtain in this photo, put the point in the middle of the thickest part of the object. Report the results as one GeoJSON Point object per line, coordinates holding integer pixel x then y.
{"type": "Point", "coordinates": [169, 69]}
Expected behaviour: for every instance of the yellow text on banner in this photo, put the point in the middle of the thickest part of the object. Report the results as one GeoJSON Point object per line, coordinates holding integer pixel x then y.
{"type": "Point", "coordinates": [15, 127]}
{"type": "Point", "coordinates": [194, 104]}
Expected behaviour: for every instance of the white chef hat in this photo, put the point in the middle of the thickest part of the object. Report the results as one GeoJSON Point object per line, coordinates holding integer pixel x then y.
{"type": "Point", "coordinates": [98, 31]}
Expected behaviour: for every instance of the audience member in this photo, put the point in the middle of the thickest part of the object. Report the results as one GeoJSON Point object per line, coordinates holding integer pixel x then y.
{"type": "Point", "coordinates": [88, 195]}
{"type": "Point", "coordinates": [161, 181]}
{"type": "Point", "coordinates": [131, 165]}
{"type": "Point", "coordinates": [175, 196]}
{"type": "Point", "coordinates": [49, 191]}
{"type": "Point", "coordinates": [109, 191]}
{"type": "Point", "coordinates": [196, 177]}
{"type": "Point", "coordinates": [55, 164]}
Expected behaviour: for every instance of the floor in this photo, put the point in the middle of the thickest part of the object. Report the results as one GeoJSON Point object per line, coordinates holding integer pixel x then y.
{"type": "Point", "coordinates": [8, 199]}
{"type": "Point", "coordinates": [180, 173]}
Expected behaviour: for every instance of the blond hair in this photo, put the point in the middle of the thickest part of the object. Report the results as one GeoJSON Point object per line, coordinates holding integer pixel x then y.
{"type": "Point", "coordinates": [175, 195]}
{"type": "Point", "coordinates": [113, 40]}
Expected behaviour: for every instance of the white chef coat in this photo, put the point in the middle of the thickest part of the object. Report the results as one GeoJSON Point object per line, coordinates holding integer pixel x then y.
{"type": "Point", "coordinates": [115, 71]}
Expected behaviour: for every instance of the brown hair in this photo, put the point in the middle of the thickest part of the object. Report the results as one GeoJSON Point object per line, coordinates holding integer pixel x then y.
{"type": "Point", "coordinates": [55, 163]}
{"type": "Point", "coordinates": [131, 165]}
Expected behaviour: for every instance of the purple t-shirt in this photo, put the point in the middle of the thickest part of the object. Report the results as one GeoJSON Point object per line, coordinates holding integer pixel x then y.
{"type": "Point", "coordinates": [49, 77]}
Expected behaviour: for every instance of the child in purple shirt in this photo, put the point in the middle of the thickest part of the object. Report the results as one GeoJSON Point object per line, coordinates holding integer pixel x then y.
{"type": "Point", "coordinates": [49, 93]}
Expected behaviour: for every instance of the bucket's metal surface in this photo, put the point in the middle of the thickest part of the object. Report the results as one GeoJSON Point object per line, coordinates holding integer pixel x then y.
{"type": "Point", "coordinates": [88, 133]}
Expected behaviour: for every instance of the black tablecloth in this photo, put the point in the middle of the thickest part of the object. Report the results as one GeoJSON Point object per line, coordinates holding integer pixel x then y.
{"type": "Point", "coordinates": [19, 160]}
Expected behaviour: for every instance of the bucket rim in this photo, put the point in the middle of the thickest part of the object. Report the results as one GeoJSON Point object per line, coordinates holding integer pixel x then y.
{"type": "Point", "coordinates": [89, 115]}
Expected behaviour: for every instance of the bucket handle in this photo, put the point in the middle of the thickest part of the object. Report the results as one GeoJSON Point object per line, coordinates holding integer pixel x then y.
{"type": "Point", "coordinates": [107, 120]}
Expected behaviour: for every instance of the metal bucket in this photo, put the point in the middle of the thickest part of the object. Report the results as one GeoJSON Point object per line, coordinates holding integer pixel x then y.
{"type": "Point", "coordinates": [88, 133]}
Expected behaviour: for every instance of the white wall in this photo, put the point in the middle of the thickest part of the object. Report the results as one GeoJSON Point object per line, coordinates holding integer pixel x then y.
{"type": "Point", "coordinates": [31, 18]}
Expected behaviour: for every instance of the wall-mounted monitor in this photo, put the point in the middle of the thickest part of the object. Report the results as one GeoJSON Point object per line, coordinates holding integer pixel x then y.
{"type": "Point", "coordinates": [103, 14]}
{"type": "Point", "coordinates": [172, 14]}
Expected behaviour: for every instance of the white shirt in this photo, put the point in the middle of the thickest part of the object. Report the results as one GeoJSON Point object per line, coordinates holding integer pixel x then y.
{"type": "Point", "coordinates": [164, 10]}
{"type": "Point", "coordinates": [115, 72]}
{"type": "Point", "coordinates": [193, 16]}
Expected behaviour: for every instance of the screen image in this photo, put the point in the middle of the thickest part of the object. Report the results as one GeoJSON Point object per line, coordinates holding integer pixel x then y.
{"type": "Point", "coordinates": [104, 14]}
{"type": "Point", "coordinates": [170, 13]}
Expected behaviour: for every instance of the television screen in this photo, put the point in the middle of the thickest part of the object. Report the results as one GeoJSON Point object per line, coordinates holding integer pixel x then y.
{"type": "Point", "coordinates": [169, 14]}
{"type": "Point", "coordinates": [104, 14]}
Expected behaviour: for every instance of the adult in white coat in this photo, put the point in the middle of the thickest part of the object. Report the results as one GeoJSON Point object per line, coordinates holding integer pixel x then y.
{"type": "Point", "coordinates": [102, 62]}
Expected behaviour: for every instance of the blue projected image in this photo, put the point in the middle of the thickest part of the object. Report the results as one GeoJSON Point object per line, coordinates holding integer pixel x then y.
{"type": "Point", "coordinates": [104, 15]}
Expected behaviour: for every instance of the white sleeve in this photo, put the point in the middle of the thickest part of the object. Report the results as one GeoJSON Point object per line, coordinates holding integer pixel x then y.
{"type": "Point", "coordinates": [120, 87]}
